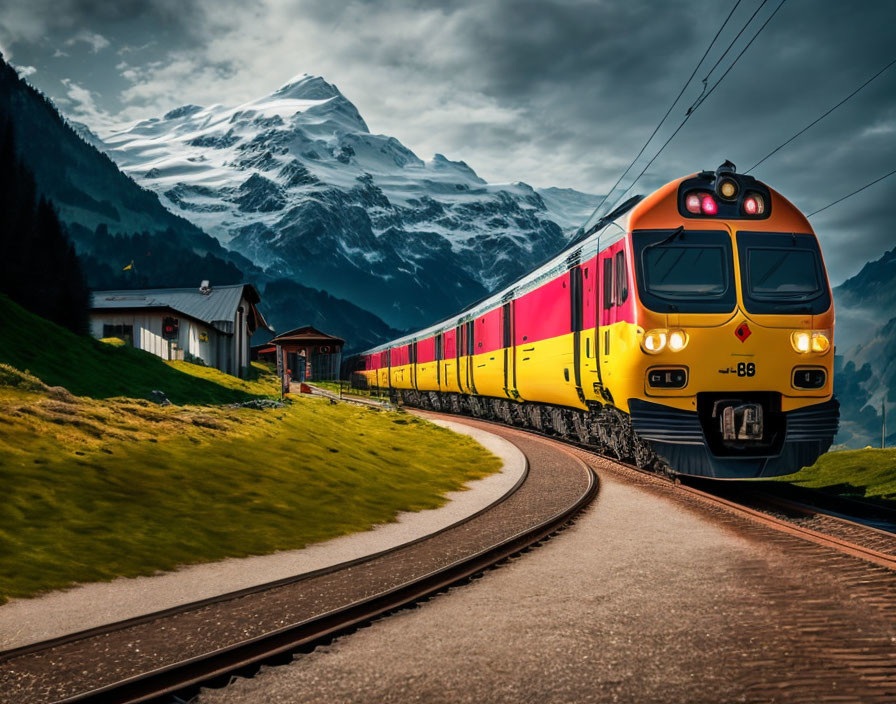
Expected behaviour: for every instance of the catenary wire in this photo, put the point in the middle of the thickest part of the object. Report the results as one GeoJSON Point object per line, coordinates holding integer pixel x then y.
{"type": "Point", "coordinates": [819, 119]}
{"type": "Point", "coordinates": [674, 102]}
{"type": "Point", "coordinates": [699, 102]}
{"type": "Point", "coordinates": [850, 195]}
{"type": "Point", "coordinates": [725, 53]}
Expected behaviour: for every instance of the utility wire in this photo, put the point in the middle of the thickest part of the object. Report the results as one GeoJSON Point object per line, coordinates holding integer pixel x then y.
{"type": "Point", "coordinates": [819, 119]}
{"type": "Point", "coordinates": [725, 53]}
{"type": "Point", "coordinates": [674, 102]}
{"type": "Point", "coordinates": [700, 101]}
{"type": "Point", "coordinates": [839, 200]}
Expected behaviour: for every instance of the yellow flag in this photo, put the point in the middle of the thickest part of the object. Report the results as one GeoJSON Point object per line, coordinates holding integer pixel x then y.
{"type": "Point", "coordinates": [129, 266]}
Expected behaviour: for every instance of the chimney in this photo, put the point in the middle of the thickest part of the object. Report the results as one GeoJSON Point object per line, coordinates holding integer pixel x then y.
{"type": "Point", "coordinates": [205, 287]}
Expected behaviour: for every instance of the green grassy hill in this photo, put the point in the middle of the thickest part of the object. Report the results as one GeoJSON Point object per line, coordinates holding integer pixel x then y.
{"type": "Point", "coordinates": [87, 367]}
{"type": "Point", "coordinates": [868, 473]}
{"type": "Point", "coordinates": [105, 483]}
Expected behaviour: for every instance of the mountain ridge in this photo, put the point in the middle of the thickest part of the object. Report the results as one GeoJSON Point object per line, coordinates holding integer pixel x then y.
{"type": "Point", "coordinates": [295, 182]}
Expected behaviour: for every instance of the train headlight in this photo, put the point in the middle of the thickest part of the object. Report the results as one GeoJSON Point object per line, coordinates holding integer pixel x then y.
{"type": "Point", "coordinates": [801, 341]}
{"type": "Point", "coordinates": [654, 341]}
{"type": "Point", "coordinates": [820, 342]}
{"type": "Point", "coordinates": [815, 341]}
{"type": "Point", "coordinates": [678, 340]}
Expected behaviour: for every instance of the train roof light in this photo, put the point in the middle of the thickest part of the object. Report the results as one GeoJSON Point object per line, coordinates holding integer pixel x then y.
{"type": "Point", "coordinates": [727, 188]}
{"type": "Point", "coordinates": [750, 206]}
{"type": "Point", "coordinates": [709, 206]}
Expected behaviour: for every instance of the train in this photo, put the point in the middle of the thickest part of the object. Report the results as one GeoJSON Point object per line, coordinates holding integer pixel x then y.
{"type": "Point", "coordinates": [690, 331]}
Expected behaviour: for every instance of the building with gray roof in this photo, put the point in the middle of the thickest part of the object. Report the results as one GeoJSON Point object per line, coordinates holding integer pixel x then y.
{"type": "Point", "coordinates": [208, 325]}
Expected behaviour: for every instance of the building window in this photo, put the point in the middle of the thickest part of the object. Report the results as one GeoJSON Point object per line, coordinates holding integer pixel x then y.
{"type": "Point", "coordinates": [122, 332]}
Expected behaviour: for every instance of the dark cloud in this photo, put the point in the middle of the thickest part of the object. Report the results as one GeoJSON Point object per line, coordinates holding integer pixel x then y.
{"type": "Point", "coordinates": [553, 92]}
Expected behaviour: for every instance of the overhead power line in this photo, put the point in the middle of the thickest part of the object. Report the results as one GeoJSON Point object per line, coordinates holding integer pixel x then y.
{"type": "Point", "coordinates": [840, 200]}
{"type": "Point", "coordinates": [674, 102]}
{"type": "Point", "coordinates": [819, 119]}
{"type": "Point", "coordinates": [702, 98]}
{"type": "Point", "coordinates": [724, 54]}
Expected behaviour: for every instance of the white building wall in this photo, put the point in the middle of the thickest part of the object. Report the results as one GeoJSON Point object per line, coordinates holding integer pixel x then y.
{"type": "Point", "coordinates": [147, 336]}
{"type": "Point", "coordinates": [240, 341]}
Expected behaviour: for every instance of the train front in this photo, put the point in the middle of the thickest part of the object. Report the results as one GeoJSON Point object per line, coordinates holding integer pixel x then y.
{"type": "Point", "coordinates": [736, 329]}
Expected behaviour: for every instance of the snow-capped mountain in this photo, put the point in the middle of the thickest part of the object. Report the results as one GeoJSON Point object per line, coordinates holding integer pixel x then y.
{"type": "Point", "coordinates": [296, 182]}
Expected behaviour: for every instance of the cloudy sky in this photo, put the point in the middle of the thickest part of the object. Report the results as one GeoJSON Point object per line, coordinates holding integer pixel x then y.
{"type": "Point", "coordinates": [551, 92]}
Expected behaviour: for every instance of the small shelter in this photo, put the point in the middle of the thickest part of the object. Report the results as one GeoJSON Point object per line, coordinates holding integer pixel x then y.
{"type": "Point", "coordinates": [207, 325]}
{"type": "Point", "coordinates": [307, 354]}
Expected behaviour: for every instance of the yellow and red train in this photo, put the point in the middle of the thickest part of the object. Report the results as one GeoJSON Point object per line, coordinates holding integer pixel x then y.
{"type": "Point", "coordinates": [692, 327]}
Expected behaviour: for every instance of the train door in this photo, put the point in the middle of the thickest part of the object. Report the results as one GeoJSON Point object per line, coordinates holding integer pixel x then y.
{"type": "Point", "coordinates": [509, 354]}
{"type": "Point", "coordinates": [412, 354]}
{"type": "Point", "coordinates": [471, 350]}
{"type": "Point", "coordinates": [615, 308]}
{"type": "Point", "coordinates": [590, 369]}
{"type": "Point", "coordinates": [576, 308]}
{"type": "Point", "coordinates": [439, 361]}
{"type": "Point", "coordinates": [605, 319]}
{"type": "Point", "coordinates": [459, 348]}
{"type": "Point", "coordinates": [388, 366]}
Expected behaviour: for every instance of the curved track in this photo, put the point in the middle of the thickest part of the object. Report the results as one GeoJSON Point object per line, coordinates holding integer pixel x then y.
{"type": "Point", "coordinates": [656, 593]}
{"type": "Point", "coordinates": [871, 537]}
{"type": "Point", "coordinates": [146, 658]}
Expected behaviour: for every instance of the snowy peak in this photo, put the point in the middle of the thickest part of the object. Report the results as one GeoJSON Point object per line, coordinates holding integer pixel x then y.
{"type": "Point", "coordinates": [182, 111]}
{"type": "Point", "coordinates": [306, 87]}
{"type": "Point", "coordinates": [441, 163]}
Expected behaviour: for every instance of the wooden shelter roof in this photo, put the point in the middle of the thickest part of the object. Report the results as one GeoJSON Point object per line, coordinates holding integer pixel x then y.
{"type": "Point", "coordinates": [306, 335]}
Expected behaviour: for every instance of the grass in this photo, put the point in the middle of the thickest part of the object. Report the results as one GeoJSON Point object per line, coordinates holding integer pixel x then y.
{"type": "Point", "coordinates": [263, 380]}
{"type": "Point", "coordinates": [88, 367]}
{"type": "Point", "coordinates": [95, 489]}
{"type": "Point", "coordinates": [347, 390]}
{"type": "Point", "coordinates": [868, 473]}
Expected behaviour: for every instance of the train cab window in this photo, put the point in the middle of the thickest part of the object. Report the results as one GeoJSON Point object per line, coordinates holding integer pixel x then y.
{"type": "Point", "coordinates": [621, 279]}
{"type": "Point", "coordinates": [679, 271]}
{"type": "Point", "coordinates": [608, 282]}
{"type": "Point", "coordinates": [782, 273]}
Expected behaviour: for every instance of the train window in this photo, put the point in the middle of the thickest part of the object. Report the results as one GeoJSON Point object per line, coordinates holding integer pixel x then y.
{"type": "Point", "coordinates": [681, 271]}
{"type": "Point", "coordinates": [621, 279]}
{"type": "Point", "coordinates": [782, 273]}
{"type": "Point", "coordinates": [608, 283]}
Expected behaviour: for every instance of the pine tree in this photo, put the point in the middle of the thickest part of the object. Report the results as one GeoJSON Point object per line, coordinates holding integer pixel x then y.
{"type": "Point", "coordinates": [39, 268]}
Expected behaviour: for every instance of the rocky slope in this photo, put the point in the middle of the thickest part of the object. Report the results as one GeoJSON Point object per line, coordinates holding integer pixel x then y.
{"type": "Point", "coordinates": [296, 182]}
{"type": "Point", "coordinates": [866, 346]}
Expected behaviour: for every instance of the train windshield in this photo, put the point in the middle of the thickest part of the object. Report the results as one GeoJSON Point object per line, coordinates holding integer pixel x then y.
{"type": "Point", "coordinates": [782, 273]}
{"type": "Point", "coordinates": [681, 271]}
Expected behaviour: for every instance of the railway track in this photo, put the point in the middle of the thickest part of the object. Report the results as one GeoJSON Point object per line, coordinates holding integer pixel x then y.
{"type": "Point", "coordinates": [825, 520]}
{"type": "Point", "coordinates": [158, 655]}
{"type": "Point", "coordinates": [23, 672]}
